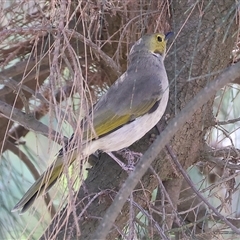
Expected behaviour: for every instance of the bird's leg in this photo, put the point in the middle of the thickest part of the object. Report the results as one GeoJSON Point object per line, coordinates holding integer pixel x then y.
{"type": "Point", "coordinates": [130, 155]}
{"type": "Point", "coordinates": [120, 163]}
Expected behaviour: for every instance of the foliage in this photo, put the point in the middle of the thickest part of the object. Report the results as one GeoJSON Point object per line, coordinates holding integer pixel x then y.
{"type": "Point", "coordinates": [57, 58]}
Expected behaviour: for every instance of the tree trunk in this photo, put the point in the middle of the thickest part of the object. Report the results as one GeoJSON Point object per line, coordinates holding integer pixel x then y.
{"type": "Point", "coordinates": [202, 45]}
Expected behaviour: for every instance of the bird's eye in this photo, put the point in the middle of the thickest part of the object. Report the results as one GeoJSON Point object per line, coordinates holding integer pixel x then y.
{"type": "Point", "coordinates": [159, 38]}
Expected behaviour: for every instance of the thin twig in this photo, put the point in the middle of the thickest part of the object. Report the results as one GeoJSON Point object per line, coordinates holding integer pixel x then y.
{"type": "Point", "coordinates": [224, 163]}
{"type": "Point", "coordinates": [131, 218]}
{"type": "Point", "coordinates": [169, 200]}
{"type": "Point", "coordinates": [230, 121]}
{"type": "Point", "coordinates": [191, 184]}
{"type": "Point", "coordinates": [160, 231]}
{"type": "Point", "coordinates": [16, 88]}
{"type": "Point", "coordinates": [25, 120]}
{"type": "Point", "coordinates": [229, 75]}
{"type": "Point", "coordinates": [109, 61]}
{"type": "Point", "coordinates": [24, 158]}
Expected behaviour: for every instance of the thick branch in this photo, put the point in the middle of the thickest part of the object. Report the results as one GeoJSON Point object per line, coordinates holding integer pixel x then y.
{"type": "Point", "coordinates": [28, 121]}
{"type": "Point", "coordinates": [229, 75]}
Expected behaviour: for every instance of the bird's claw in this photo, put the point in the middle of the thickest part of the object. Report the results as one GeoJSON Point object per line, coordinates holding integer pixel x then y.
{"type": "Point", "coordinates": [130, 156]}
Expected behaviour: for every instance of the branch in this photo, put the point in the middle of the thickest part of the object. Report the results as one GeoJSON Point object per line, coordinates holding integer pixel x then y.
{"type": "Point", "coordinates": [229, 75]}
{"type": "Point", "coordinates": [28, 69]}
{"type": "Point", "coordinates": [28, 121]}
{"type": "Point", "coordinates": [108, 60]}
{"type": "Point", "coordinates": [228, 121]}
{"type": "Point", "coordinates": [191, 184]}
{"type": "Point", "coordinates": [167, 194]}
{"type": "Point", "coordinates": [12, 84]}
{"type": "Point", "coordinates": [230, 157]}
{"type": "Point", "coordinates": [21, 130]}
{"type": "Point", "coordinates": [225, 163]}
{"type": "Point", "coordinates": [24, 158]}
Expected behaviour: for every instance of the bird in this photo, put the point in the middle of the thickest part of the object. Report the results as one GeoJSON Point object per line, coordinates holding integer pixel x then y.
{"type": "Point", "coordinates": [130, 108]}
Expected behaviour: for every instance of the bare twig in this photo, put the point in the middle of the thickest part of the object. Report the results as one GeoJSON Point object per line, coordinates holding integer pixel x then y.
{"type": "Point", "coordinates": [224, 163]}
{"type": "Point", "coordinates": [189, 181]}
{"type": "Point", "coordinates": [225, 133]}
{"type": "Point", "coordinates": [29, 122]}
{"type": "Point", "coordinates": [109, 61]}
{"type": "Point", "coordinates": [171, 209]}
{"type": "Point", "coordinates": [18, 89]}
{"type": "Point", "coordinates": [229, 75]}
{"type": "Point", "coordinates": [24, 158]}
{"type": "Point", "coordinates": [160, 231]}
{"type": "Point", "coordinates": [230, 121]}
{"type": "Point", "coordinates": [28, 66]}
{"type": "Point", "coordinates": [20, 130]}
{"type": "Point", "coordinates": [225, 152]}
{"type": "Point", "coordinates": [131, 218]}
{"type": "Point", "coordinates": [228, 157]}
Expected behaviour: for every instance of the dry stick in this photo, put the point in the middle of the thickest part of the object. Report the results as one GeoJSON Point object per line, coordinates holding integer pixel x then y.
{"type": "Point", "coordinates": [17, 87]}
{"type": "Point", "coordinates": [225, 152]}
{"type": "Point", "coordinates": [29, 122]}
{"type": "Point", "coordinates": [24, 158]}
{"type": "Point", "coordinates": [230, 121]}
{"type": "Point", "coordinates": [155, 223]}
{"type": "Point", "coordinates": [223, 163]}
{"type": "Point", "coordinates": [191, 184]}
{"type": "Point", "coordinates": [160, 185]}
{"type": "Point", "coordinates": [229, 75]}
{"type": "Point", "coordinates": [108, 60]}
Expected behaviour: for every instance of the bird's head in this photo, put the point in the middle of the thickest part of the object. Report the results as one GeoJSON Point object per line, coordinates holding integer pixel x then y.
{"type": "Point", "coordinates": [154, 43]}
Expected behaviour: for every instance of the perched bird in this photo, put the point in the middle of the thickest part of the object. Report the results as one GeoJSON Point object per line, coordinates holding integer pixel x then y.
{"type": "Point", "coordinates": [130, 108]}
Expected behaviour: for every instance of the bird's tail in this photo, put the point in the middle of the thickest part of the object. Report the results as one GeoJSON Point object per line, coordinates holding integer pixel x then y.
{"type": "Point", "coordinates": [43, 183]}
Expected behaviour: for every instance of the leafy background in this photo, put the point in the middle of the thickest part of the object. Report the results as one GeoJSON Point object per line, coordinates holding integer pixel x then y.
{"type": "Point", "coordinates": [57, 58]}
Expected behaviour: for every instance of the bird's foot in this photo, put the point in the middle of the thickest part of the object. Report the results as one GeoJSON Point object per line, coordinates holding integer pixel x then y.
{"type": "Point", "coordinates": [132, 158]}
{"type": "Point", "coordinates": [120, 163]}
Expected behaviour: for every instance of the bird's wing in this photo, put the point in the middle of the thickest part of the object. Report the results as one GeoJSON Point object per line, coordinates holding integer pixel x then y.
{"type": "Point", "coordinates": [124, 102]}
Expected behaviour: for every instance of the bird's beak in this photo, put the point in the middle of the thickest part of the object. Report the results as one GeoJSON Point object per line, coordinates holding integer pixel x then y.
{"type": "Point", "coordinates": [168, 35]}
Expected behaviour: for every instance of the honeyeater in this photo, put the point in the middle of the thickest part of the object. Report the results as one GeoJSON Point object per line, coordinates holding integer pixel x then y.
{"type": "Point", "coordinates": [125, 113]}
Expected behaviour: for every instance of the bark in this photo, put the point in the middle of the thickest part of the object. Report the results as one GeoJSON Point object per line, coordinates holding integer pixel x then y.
{"type": "Point", "coordinates": [204, 39]}
{"type": "Point", "coordinates": [200, 48]}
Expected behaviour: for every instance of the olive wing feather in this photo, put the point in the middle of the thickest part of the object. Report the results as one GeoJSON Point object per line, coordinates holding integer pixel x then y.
{"type": "Point", "coordinates": [125, 102]}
